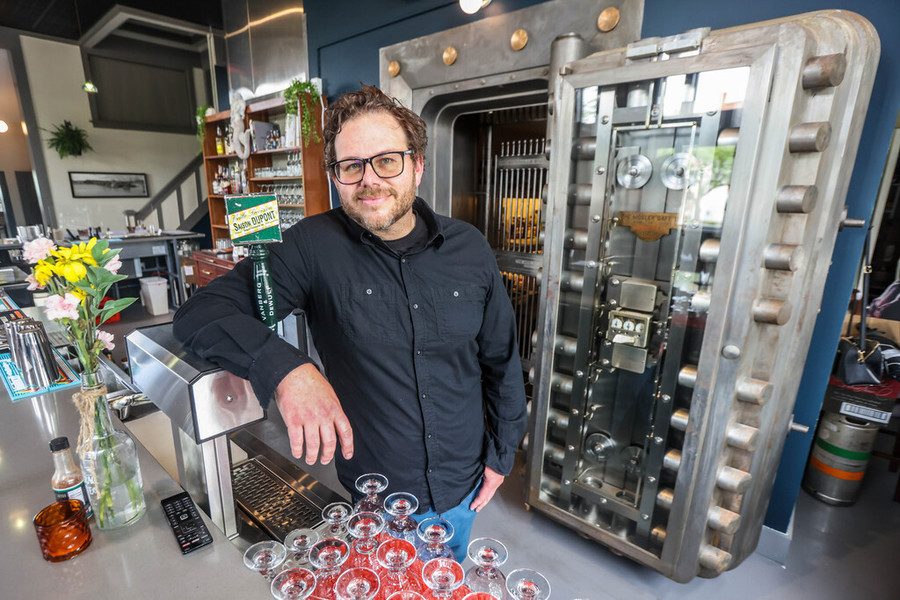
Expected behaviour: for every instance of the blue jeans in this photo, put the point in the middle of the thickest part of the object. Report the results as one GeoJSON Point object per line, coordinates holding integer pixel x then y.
{"type": "Point", "coordinates": [461, 517]}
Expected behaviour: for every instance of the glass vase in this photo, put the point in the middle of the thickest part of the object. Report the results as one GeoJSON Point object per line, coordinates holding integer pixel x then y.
{"type": "Point", "coordinates": [109, 463]}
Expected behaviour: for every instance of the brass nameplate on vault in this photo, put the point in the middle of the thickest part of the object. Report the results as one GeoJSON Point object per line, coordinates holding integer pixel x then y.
{"type": "Point", "coordinates": [648, 226]}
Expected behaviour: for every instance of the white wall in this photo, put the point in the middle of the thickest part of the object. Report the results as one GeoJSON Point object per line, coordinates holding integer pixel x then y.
{"type": "Point", "coordinates": [55, 75]}
{"type": "Point", "coordinates": [13, 144]}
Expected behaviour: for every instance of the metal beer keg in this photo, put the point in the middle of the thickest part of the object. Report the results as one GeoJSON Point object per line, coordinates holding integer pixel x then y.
{"type": "Point", "coordinates": [839, 457]}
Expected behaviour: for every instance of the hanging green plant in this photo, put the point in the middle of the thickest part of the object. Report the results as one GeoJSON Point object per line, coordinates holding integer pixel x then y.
{"type": "Point", "coordinates": [201, 121]}
{"type": "Point", "coordinates": [307, 95]}
{"type": "Point", "coordinates": [68, 140]}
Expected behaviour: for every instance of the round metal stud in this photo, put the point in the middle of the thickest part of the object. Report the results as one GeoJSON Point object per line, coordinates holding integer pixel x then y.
{"type": "Point", "coordinates": [450, 55]}
{"type": "Point", "coordinates": [634, 171]}
{"type": "Point", "coordinates": [394, 68]}
{"type": "Point", "coordinates": [675, 170]}
{"type": "Point", "coordinates": [608, 19]}
{"type": "Point", "coordinates": [518, 40]}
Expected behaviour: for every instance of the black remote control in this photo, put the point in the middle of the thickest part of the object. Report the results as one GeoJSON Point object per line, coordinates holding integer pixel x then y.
{"type": "Point", "coordinates": [185, 521]}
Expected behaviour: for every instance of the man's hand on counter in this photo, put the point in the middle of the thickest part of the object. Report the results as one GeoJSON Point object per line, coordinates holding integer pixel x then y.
{"type": "Point", "coordinates": [313, 414]}
{"type": "Point", "coordinates": [489, 484]}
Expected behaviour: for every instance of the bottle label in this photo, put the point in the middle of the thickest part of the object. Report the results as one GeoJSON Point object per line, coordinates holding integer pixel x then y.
{"type": "Point", "coordinates": [76, 492]}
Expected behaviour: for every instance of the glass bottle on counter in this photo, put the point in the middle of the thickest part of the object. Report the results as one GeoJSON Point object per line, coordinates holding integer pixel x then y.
{"type": "Point", "coordinates": [67, 481]}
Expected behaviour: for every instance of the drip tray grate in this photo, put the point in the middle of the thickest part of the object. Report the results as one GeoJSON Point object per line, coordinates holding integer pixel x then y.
{"type": "Point", "coordinates": [270, 501]}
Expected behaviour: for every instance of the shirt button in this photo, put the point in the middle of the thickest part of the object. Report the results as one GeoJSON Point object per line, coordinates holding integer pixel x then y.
{"type": "Point", "coordinates": [416, 306]}
{"type": "Point", "coordinates": [418, 352]}
{"type": "Point", "coordinates": [424, 396]}
{"type": "Point", "coordinates": [431, 470]}
{"type": "Point", "coordinates": [369, 291]}
{"type": "Point", "coordinates": [455, 294]}
{"type": "Point", "coordinates": [403, 260]}
{"type": "Point", "coordinates": [429, 436]}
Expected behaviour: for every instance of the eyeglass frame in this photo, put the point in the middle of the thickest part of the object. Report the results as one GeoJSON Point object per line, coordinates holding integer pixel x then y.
{"type": "Point", "coordinates": [368, 161]}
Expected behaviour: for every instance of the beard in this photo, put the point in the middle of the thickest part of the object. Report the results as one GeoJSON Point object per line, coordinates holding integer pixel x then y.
{"type": "Point", "coordinates": [385, 217]}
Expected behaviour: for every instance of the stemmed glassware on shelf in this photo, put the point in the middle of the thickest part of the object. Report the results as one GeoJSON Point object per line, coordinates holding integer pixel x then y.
{"type": "Point", "coordinates": [293, 584]}
{"type": "Point", "coordinates": [264, 558]}
{"type": "Point", "coordinates": [435, 533]}
{"type": "Point", "coordinates": [527, 584]}
{"type": "Point", "coordinates": [327, 556]}
{"type": "Point", "coordinates": [370, 484]}
{"type": "Point", "coordinates": [336, 515]}
{"type": "Point", "coordinates": [442, 576]}
{"type": "Point", "coordinates": [488, 555]}
{"type": "Point", "coordinates": [400, 505]}
{"type": "Point", "coordinates": [298, 542]}
{"type": "Point", "coordinates": [358, 583]}
{"type": "Point", "coordinates": [365, 527]}
{"type": "Point", "coordinates": [395, 557]}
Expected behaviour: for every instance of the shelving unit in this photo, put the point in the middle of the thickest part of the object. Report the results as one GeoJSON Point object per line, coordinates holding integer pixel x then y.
{"type": "Point", "coordinates": [314, 180]}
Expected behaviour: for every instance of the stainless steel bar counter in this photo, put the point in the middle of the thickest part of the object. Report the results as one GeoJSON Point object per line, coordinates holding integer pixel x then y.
{"type": "Point", "coordinates": [142, 560]}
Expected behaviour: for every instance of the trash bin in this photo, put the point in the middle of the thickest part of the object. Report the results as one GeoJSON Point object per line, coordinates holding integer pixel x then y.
{"type": "Point", "coordinates": [838, 461]}
{"type": "Point", "coordinates": [155, 295]}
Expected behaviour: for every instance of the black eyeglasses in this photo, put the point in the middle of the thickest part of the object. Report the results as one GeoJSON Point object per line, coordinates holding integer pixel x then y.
{"type": "Point", "coordinates": [386, 165]}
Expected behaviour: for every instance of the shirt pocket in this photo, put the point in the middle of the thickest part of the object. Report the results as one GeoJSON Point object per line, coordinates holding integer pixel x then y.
{"type": "Point", "coordinates": [370, 312]}
{"type": "Point", "coordinates": [460, 310]}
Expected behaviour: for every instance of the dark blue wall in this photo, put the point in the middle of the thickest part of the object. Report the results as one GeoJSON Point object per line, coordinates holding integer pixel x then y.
{"type": "Point", "coordinates": [344, 38]}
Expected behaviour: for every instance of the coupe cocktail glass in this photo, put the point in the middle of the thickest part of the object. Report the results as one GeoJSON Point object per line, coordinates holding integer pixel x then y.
{"type": "Point", "coordinates": [365, 527]}
{"type": "Point", "coordinates": [478, 596]}
{"type": "Point", "coordinates": [358, 583]}
{"type": "Point", "coordinates": [396, 556]}
{"type": "Point", "coordinates": [327, 557]}
{"type": "Point", "coordinates": [442, 576]}
{"type": "Point", "coordinates": [487, 554]}
{"type": "Point", "coordinates": [406, 595]}
{"type": "Point", "coordinates": [400, 505]}
{"type": "Point", "coordinates": [293, 584]}
{"type": "Point", "coordinates": [264, 557]}
{"type": "Point", "coordinates": [336, 515]}
{"type": "Point", "coordinates": [527, 584]}
{"type": "Point", "coordinates": [435, 533]}
{"type": "Point", "coordinates": [298, 542]}
{"type": "Point", "coordinates": [370, 484]}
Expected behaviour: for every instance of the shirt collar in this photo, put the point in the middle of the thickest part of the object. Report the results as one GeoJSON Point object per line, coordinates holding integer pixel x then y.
{"type": "Point", "coordinates": [423, 211]}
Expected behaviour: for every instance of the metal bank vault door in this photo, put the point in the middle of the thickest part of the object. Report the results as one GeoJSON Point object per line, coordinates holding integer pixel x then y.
{"type": "Point", "coordinates": [692, 208]}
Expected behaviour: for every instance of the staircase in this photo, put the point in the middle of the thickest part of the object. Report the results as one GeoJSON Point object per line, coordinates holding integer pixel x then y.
{"type": "Point", "coordinates": [165, 208]}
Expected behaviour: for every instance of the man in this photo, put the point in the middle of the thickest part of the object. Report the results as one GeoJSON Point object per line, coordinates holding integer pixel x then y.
{"type": "Point", "coordinates": [409, 315]}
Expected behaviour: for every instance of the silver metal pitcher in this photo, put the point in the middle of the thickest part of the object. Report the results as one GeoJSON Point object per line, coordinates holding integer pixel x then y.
{"type": "Point", "coordinates": [32, 352]}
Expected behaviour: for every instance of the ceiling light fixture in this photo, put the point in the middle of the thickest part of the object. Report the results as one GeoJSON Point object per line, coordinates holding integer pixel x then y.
{"type": "Point", "coordinates": [470, 7]}
{"type": "Point", "coordinates": [88, 86]}
{"type": "Point", "coordinates": [3, 127]}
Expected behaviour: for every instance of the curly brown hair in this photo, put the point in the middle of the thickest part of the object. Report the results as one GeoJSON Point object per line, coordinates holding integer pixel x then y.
{"type": "Point", "coordinates": [370, 99]}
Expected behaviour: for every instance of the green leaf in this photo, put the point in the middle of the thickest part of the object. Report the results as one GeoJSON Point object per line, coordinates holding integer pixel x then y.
{"type": "Point", "coordinates": [112, 307]}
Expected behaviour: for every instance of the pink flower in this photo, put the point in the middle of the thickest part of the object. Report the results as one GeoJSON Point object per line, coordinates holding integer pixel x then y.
{"type": "Point", "coordinates": [37, 249]}
{"type": "Point", "coordinates": [33, 283]}
{"type": "Point", "coordinates": [106, 338]}
{"type": "Point", "coordinates": [113, 265]}
{"type": "Point", "coordinates": [62, 308]}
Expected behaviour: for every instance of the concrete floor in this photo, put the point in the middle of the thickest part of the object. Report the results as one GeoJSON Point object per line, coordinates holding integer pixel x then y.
{"type": "Point", "coordinates": [836, 553]}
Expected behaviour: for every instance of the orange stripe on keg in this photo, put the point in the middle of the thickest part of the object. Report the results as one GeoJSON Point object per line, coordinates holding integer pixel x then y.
{"type": "Point", "coordinates": [847, 475]}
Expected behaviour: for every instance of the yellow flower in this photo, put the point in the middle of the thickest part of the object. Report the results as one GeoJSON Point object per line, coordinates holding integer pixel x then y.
{"type": "Point", "coordinates": [80, 294]}
{"type": "Point", "coordinates": [71, 262]}
{"type": "Point", "coordinates": [73, 271]}
{"type": "Point", "coordinates": [82, 251]}
{"type": "Point", "coordinates": [43, 271]}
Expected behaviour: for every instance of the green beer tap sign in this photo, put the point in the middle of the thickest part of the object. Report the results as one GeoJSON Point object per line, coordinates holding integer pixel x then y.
{"type": "Point", "coordinates": [253, 221]}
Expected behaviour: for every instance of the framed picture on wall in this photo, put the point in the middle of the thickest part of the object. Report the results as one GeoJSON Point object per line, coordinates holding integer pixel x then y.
{"type": "Point", "coordinates": [108, 185]}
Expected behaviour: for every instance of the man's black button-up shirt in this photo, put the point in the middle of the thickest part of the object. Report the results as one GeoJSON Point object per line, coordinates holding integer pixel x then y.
{"type": "Point", "coordinates": [420, 349]}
